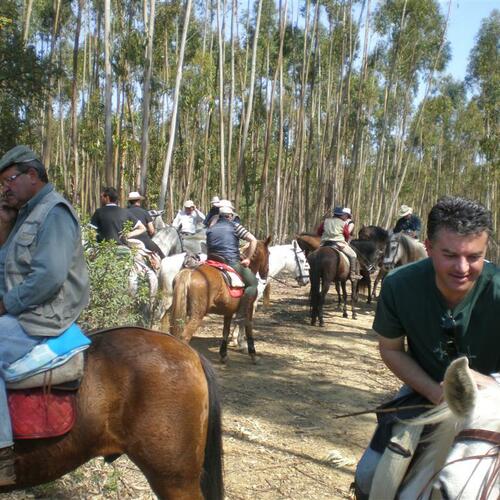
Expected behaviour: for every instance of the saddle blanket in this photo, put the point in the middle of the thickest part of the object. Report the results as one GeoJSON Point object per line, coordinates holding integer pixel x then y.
{"type": "Point", "coordinates": [49, 354]}
{"type": "Point", "coordinates": [36, 413]}
{"type": "Point", "coordinates": [233, 279]}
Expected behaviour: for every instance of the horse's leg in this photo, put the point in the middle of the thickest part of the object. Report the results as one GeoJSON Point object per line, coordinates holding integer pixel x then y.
{"type": "Point", "coordinates": [344, 298]}
{"type": "Point", "coordinates": [225, 336]}
{"type": "Point", "coordinates": [266, 297]}
{"type": "Point", "coordinates": [249, 335]}
{"type": "Point", "coordinates": [191, 326]}
{"type": "Point", "coordinates": [354, 299]}
{"type": "Point", "coordinates": [325, 286]}
{"type": "Point", "coordinates": [339, 297]}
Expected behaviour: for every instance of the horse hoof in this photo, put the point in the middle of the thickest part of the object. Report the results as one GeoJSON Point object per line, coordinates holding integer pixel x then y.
{"type": "Point", "coordinates": [313, 322]}
{"type": "Point", "coordinates": [223, 359]}
{"type": "Point", "coordinates": [255, 359]}
{"type": "Point", "coordinates": [242, 348]}
{"type": "Point", "coordinates": [321, 323]}
{"type": "Point", "coordinates": [345, 315]}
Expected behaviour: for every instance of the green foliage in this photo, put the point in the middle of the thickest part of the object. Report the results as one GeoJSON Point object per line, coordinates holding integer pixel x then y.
{"type": "Point", "coordinates": [111, 303]}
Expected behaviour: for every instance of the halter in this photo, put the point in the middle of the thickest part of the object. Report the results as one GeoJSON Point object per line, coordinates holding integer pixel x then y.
{"type": "Point", "coordinates": [391, 262]}
{"type": "Point", "coordinates": [296, 253]}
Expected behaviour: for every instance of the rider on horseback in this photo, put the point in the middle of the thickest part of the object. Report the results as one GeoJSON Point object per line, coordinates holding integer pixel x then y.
{"type": "Point", "coordinates": [43, 275]}
{"type": "Point", "coordinates": [142, 215]}
{"type": "Point", "coordinates": [460, 294]}
{"type": "Point", "coordinates": [333, 235]}
{"type": "Point", "coordinates": [223, 244]}
{"type": "Point", "coordinates": [408, 222]}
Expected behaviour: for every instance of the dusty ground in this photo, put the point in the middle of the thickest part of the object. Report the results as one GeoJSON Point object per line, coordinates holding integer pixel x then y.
{"type": "Point", "coordinates": [280, 438]}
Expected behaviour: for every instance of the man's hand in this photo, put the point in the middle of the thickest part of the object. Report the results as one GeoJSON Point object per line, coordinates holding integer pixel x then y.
{"type": "Point", "coordinates": [2, 308]}
{"type": "Point", "coordinates": [245, 262]}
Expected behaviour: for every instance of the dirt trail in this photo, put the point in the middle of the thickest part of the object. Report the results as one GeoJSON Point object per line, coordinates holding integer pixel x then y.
{"type": "Point", "coordinates": [280, 439]}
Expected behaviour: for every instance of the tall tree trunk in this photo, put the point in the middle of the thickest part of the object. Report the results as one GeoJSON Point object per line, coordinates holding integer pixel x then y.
{"type": "Point", "coordinates": [249, 108]}
{"type": "Point", "coordinates": [74, 104]}
{"type": "Point", "coordinates": [108, 129]}
{"type": "Point", "coordinates": [146, 95]}
{"type": "Point", "coordinates": [173, 119]}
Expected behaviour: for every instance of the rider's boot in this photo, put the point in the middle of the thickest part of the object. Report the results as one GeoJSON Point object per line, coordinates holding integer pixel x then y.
{"type": "Point", "coordinates": [243, 312]}
{"type": "Point", "coordinates": [354, 269]}
{"type": "Point", "coordinates": [7, 472]}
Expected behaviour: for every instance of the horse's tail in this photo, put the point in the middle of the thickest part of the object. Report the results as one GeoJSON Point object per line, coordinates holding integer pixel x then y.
{"type": "Point", "coordinates": [179, 302]}
{"type": "Point", "coordinates": [212, 483]}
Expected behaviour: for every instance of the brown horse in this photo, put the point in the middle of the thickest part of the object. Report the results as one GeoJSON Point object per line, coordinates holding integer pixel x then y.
{"type": "Point", "coordinates": [149, 396]}
{"type": "Point", "coordinates": [200, 291]}
{"type": "Point", "coordinates": [327, 265]}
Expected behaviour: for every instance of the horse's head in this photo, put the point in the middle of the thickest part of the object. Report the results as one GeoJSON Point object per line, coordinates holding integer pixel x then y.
{"type": "Point", "coordinates": [260, 259]}
{"type": "Point", "coordinates": [301, 265]}
{"type": "Point", "coordinates": [472, 467]}
{"type": "Point", "coordinates": [392, 254]}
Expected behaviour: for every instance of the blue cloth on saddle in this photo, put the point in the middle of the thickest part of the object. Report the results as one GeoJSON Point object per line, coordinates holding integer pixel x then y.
{"type": "Point", "coordinates": [49, 354]}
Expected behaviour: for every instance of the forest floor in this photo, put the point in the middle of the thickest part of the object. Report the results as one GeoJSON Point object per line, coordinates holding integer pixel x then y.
{"type": "Point", "coordinates": [281, 440]}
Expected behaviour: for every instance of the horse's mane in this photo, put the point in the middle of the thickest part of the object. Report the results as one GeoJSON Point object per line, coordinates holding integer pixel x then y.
{"type": "Point", "coordinates": [374, 233]}
{"type": "Point", "coordinates": [412, 247]}
{"type": "Point", "coordinates": [440, 439]}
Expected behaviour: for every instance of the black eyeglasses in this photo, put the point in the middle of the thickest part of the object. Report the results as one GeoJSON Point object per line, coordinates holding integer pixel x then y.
{"type": "Point", "coordinates": [450, 329]}
{"type": "Point", "coordinates": [11, 178]}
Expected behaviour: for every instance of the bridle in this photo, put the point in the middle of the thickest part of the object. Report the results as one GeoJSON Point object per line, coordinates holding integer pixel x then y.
{"type": "Point", "coordinates": [389, 263]}
{"type": "Point", "coordinates": [296, 253]}
{"type": "Point", "coordinates": [491, 437]}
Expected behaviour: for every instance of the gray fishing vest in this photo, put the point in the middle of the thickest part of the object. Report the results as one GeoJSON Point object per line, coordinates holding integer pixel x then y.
{"type": "Point", "coordinates": [55, 315]}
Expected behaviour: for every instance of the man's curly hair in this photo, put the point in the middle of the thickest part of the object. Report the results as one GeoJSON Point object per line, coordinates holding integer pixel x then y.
{"type": "Point", "coordinates": [460, 215]}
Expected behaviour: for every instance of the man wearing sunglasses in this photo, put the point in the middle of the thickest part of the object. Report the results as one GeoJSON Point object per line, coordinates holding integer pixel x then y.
{"type": "Point", "coordinates": [43, 274]}
{"type": "Point", "coordinates": [437, 309]}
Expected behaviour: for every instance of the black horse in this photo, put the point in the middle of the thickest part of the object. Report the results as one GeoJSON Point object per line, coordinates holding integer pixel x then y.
{"type": "Point", "coordinates": [327, 266]}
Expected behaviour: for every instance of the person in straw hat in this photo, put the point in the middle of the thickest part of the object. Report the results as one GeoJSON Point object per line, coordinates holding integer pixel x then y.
{"type": "Point", "coordinates": [214, 210]}
{"type": "Point", "coordinates": [408, 222]}
{"type": "Point", "coordinates": [141, 214]}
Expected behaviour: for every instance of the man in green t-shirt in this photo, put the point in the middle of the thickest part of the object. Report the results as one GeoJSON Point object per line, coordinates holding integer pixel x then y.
{"type": "Point", "coordinates": [444, 306]}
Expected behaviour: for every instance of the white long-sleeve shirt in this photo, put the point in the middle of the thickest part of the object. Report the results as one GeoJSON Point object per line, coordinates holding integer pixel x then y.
{"type": "Point", "coordinates": [187, 222]}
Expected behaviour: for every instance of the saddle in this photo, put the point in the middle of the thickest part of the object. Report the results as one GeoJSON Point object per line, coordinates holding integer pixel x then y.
{"type": "Point", "coordinates": [42, 385]}
{"type": "Point", "coordinates": [232, 279]}
{"type": "Point", "coordinates": [333, 246]}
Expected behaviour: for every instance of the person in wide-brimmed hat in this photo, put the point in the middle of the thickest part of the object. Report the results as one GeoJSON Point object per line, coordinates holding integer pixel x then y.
{"type": "Point", "coordinates": [408, 222]}
{"type": "Point", "coordinates": [136, 210]}
{"type": "Point", "coordinates": [334, 234]}
{"type": "Point", "coordinates": [214, 210]}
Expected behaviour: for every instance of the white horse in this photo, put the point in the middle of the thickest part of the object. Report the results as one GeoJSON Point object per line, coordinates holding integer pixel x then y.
{"type": "Point", "coordinates": [286, 258]}
{"type": "Point", "coordinates": [282, 258]}
{"type": "Point", "coordinates": [402, 249]}
{"type": "Point", "coordinates": [462, 457]}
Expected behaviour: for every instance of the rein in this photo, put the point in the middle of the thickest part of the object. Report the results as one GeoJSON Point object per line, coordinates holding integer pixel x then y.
{"type": "Point", "coordinates": [384, 410]}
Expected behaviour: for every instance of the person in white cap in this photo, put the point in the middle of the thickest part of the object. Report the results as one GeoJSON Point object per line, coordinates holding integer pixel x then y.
{"type": "Point", "coordinates": [349, 224]}
{"type": "Point", "coordinates": [223, 244]}
{"type": "Point", "coordinates": [408, 222]}
{"type": "Point", "coordinates": [187, 219]}
{"type": "Point", "coordinates": [223, 203]}
{"type": "Point", "coordinates": [141, 214]}
{"type": "Point", "coordinates": [214, 210]}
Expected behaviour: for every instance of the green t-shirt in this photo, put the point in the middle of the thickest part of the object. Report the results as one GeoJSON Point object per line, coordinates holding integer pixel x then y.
{"type": "Point", "coordinates": [411, 305]}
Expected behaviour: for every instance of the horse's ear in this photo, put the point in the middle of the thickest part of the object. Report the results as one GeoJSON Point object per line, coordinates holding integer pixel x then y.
{"type": "Point", "coordinates": [460, 390]}
{"type": "Point", "coordinates": [267, 241]}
